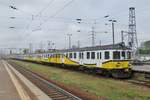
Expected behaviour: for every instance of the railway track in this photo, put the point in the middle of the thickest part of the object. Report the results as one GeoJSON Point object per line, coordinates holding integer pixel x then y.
{"type": "Point", "coordinates": [132, 80]}
{"type": "Point", "coordinates": [53, 91]}
{"type": "Point", "coordinates": [140, 82]}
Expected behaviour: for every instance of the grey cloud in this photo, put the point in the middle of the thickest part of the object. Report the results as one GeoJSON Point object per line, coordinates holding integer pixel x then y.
{"type": "Point", "coordinates": [55, 29]}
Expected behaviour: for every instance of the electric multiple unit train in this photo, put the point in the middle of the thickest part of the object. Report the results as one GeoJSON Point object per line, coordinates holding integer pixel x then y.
{"type": "Point", "coordinates": [111, 60]}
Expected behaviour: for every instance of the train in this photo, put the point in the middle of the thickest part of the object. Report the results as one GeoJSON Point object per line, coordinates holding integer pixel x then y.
{"type": "Point", "coordinates": [110, 60]}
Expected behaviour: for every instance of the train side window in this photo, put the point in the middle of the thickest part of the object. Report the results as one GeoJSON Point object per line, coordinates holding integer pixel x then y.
{"type": "Point", "coordinates": [70, 55]}
{"type": "Point", "coordinates": [116, 55]}
{"type": "Point", "coordinates": [82, 55]}
{"type": "Point", "coordinates": [123, 54]}
{"type": "Point", "coordinates": [88, 55]}
{"type": "Point", "coordinates": [58, 55]}
{"type": "Point", "coordinates": [67, 55]}
{"type": "Point", "coordinates": [129, 55]}
{"type": "Point", "coordinates": [75, 55]}
{"type": "Point", "coordinates": [107, 55]}
{"type": "Point", "coordinates": [92, 55]}
{"type": "Point", "coordinates": [98, 55]}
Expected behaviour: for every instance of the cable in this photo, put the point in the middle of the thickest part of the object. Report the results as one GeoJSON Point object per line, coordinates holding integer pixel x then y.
{"type": "Point", "coordinates": [51, 2]}
{"type": "Point", "coordinates": [28, 26]}
{"type": "Point", "coordinates": [60, 10]}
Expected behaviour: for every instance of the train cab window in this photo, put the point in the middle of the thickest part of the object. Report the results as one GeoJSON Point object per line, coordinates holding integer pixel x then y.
{"type": "Point", "coordinates": [70, 55]}
{"type": "Point", "coordinates": [123, 54]}
{"type": "Point", "coordinates": [98, 55]}
{"type": "Point", "coordinates": [88, 55]}
{"type": "Point", "coordinates": [92, 55]}
{"type": "Point", "coordinates": [107, 55]}
{"type": "Point", "coordinates": [75, 55]}
{"type": "Point", "coordinates": [128, 55]}
{"type": "Point", "coordinates": [116, 55]}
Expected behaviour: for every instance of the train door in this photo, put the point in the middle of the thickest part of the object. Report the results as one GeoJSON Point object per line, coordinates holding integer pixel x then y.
{"type": "Point", "coordinates": [99, 58]}
{"type": "Point", "coordinates": [81, 57]}
{"type": "Point", "coordinates": [62, 58]}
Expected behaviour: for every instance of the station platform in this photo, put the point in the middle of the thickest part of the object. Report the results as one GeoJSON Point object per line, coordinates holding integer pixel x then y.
{"type": "Point", "coordinates": [14, 86]}
{"type": "Point", "coordinates": [142, 68]}
{"type": "Point", "coordinates": [7, 88]}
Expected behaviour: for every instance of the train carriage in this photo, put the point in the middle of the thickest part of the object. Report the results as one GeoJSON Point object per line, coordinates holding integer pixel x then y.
{"type": "Point", "coordinates": [107, 59]}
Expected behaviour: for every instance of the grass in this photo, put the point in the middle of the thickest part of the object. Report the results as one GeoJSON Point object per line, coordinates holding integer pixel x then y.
{"type": "Point", "coordinates": [111, 89]}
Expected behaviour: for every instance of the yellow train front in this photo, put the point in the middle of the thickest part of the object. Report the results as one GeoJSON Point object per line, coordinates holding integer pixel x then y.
{"type": "Point", "coordinates": [109, 60]}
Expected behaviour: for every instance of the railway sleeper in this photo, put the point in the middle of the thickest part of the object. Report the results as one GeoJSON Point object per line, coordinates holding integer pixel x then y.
{"type": "Point", "coordinates": [60, 97]}
{"type": "Point", "coordinates": [57, 96]}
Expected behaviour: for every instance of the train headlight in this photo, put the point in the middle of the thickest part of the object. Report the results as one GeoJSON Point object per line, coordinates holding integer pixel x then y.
{"type": "Point", "coordinates": [126, 70]}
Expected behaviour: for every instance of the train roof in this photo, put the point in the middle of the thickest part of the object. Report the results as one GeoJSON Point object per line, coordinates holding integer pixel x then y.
{"type": "Point", "coordinates": [119, 46]}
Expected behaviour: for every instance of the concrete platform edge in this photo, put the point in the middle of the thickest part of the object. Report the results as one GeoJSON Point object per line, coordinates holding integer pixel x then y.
{"type": "Point", "coordinates": [34, 89]}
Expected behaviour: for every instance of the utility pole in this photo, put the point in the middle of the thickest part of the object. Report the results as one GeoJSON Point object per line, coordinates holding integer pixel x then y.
{"type": "Point", "coordinates": [93, 36]}
{"type": "Point", "coordinates": [93, 33]}
{"type": "Point", "coordinates": [30, 48]}
{"type": "Point", "coordinates": [122, 38]}
{"type": "Point", "coordinates": [69, 35]}
{"type": "Point", "coordinates": [100, 42]}
{"type": "Point", "coordinates": [49, 45]}
{"type": "Point", "coordinates": [113, 33]}
{"type": "Point", "coordinates": [124, 34]}
{"type": "Point", "coordinates": [113, 29]}
{"type": "Point", "coordinates": [41, 46]}
{"type": "Point", "coordinates": [78, 44]}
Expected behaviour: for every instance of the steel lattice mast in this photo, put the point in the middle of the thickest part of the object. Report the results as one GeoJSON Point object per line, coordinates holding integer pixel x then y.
{"type": "Point", "coordinates": [132, 34]}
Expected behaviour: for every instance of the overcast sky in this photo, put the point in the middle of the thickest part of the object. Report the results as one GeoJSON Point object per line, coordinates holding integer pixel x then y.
{"type": "Point", "coordinates": [39, 21]}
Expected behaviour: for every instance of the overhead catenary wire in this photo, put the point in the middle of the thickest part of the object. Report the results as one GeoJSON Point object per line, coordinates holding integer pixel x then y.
{"type": "Point", "coordinates": [62, 18]}
{"type": "Point", "coordinates": [47, 6]}
{"type": "Point", "coordinates": [58, 11]}
{"type": "Point", "coordinates": [52, 15]}
{"type": "Point", "coordinates": [66, 5]}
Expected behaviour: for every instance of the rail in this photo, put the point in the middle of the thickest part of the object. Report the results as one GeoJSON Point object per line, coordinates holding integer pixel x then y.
{"type": "Point", "coordinates": [52, 90]}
